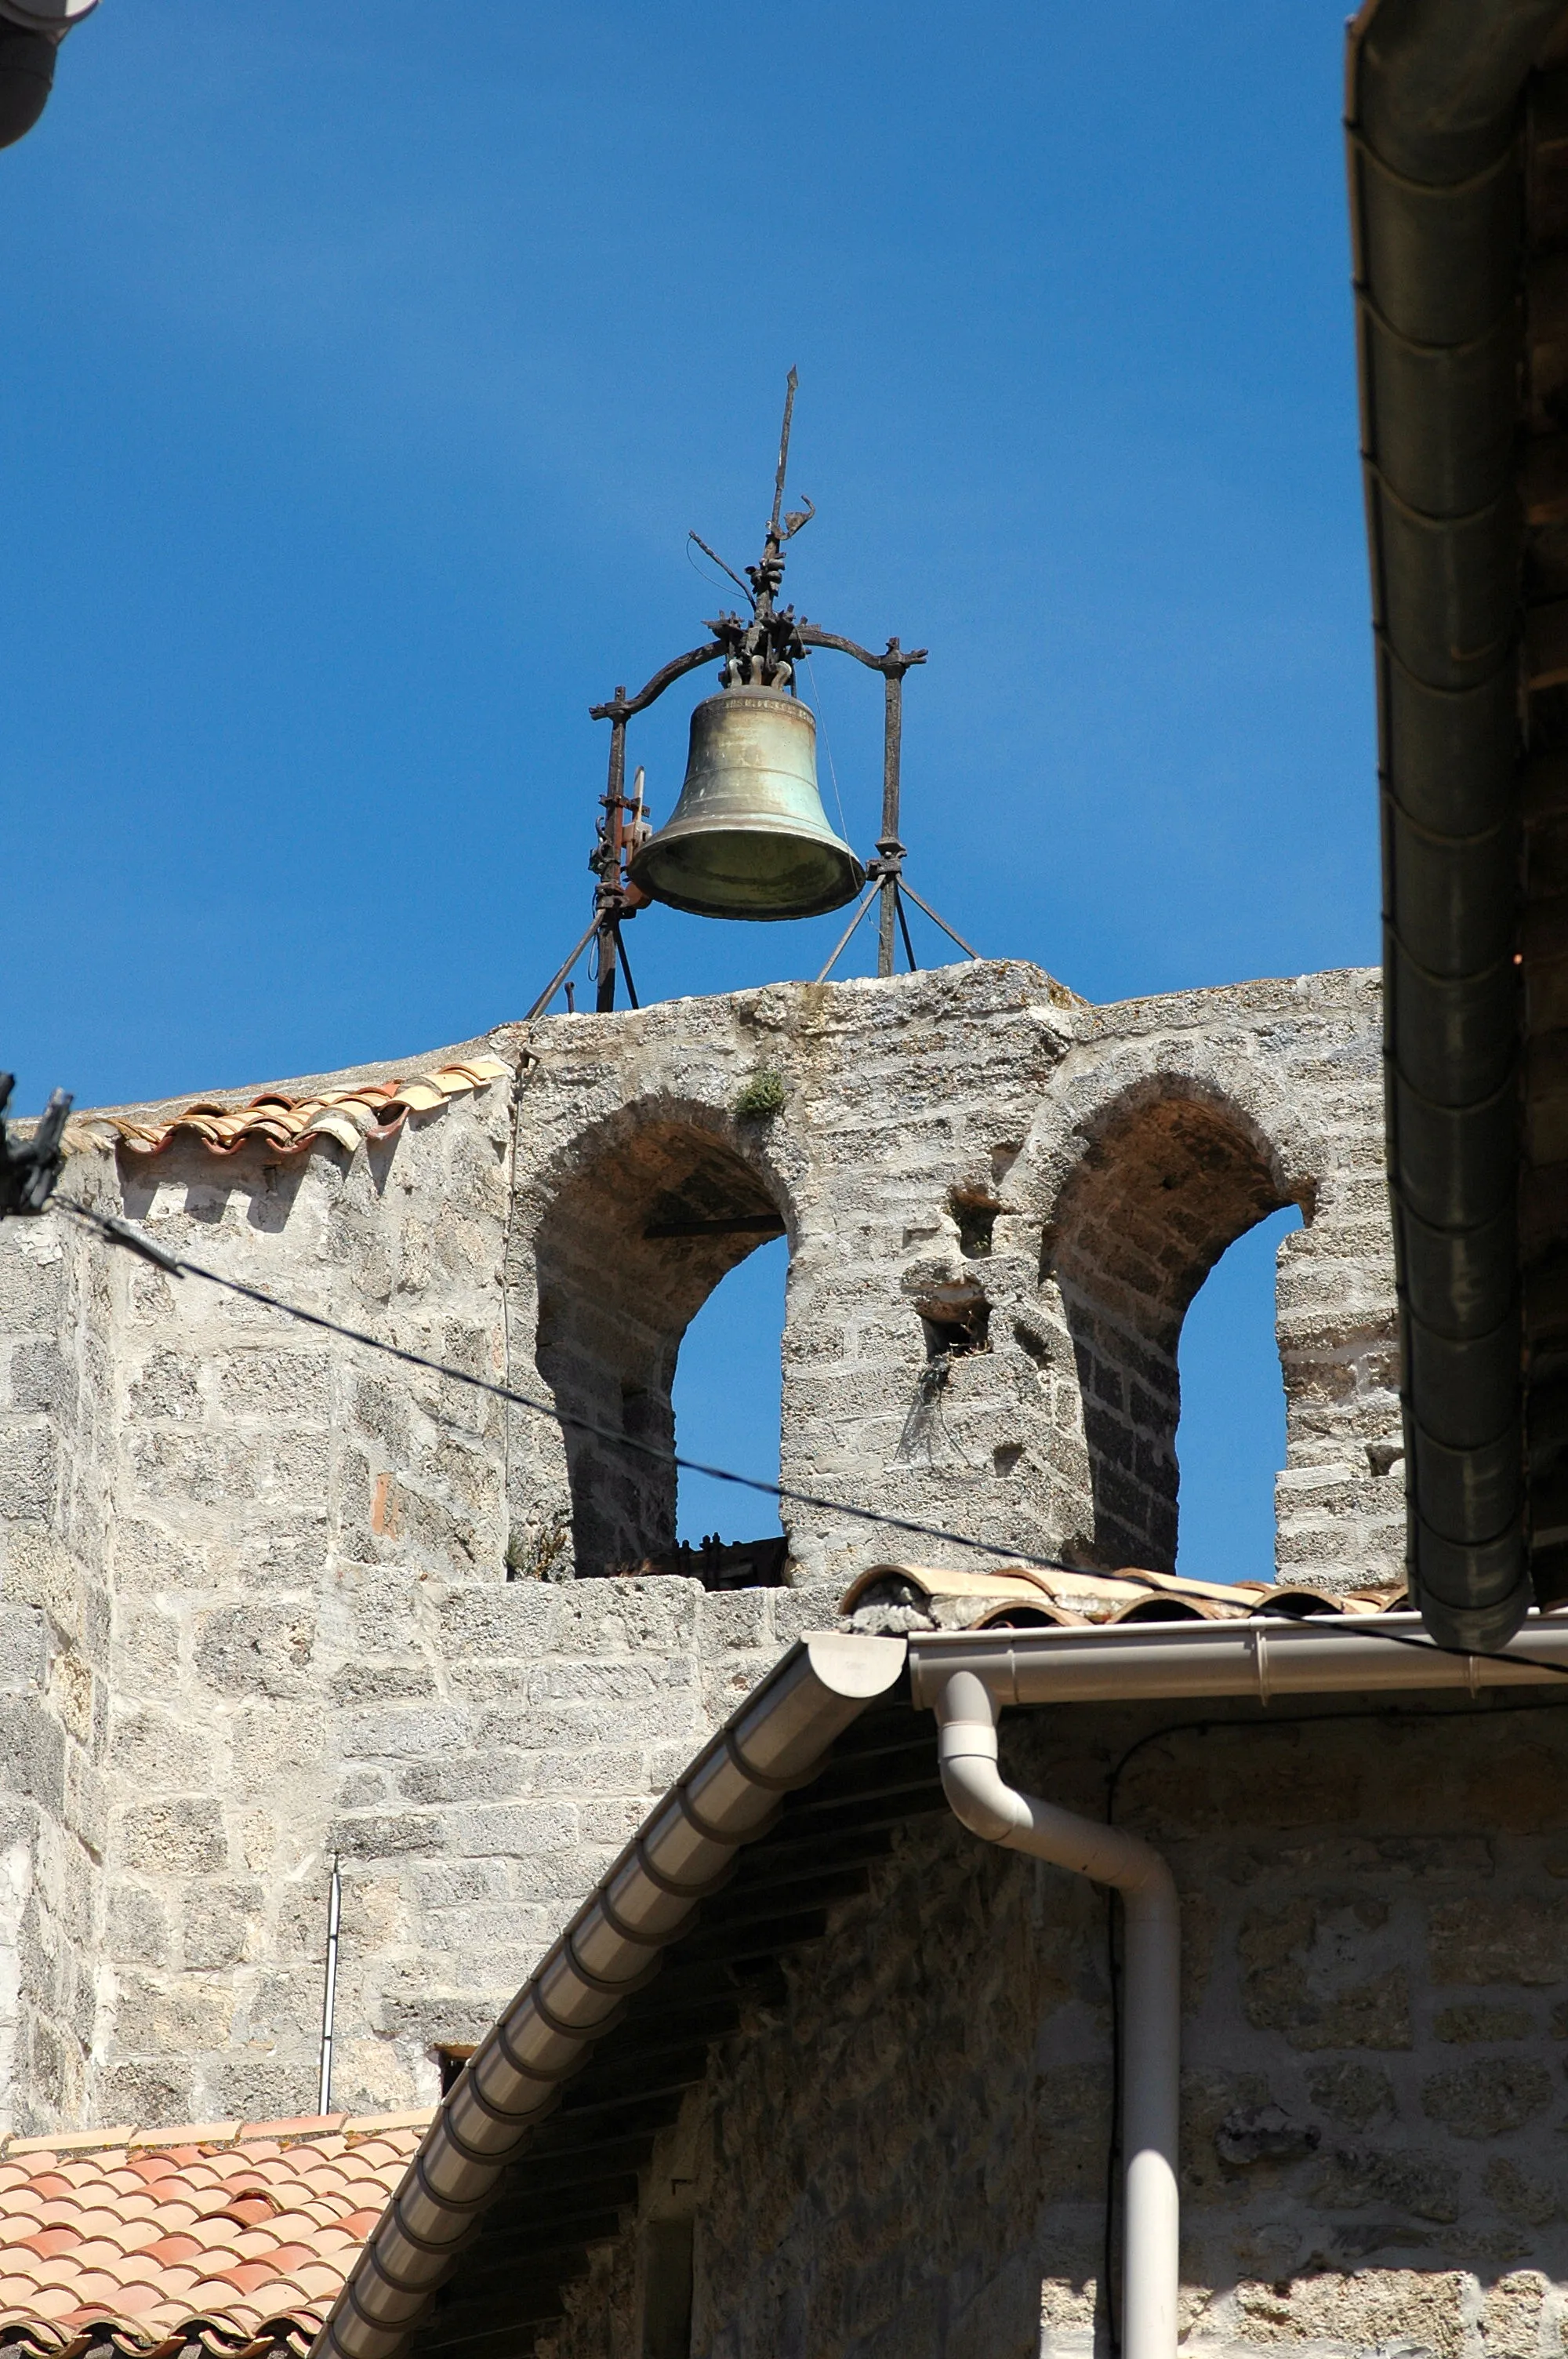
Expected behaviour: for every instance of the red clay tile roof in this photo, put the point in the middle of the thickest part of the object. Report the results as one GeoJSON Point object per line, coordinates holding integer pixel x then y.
{"type": "Point", "coordinates": [222, 2237]}
{"type": "Point", "coordinates": [290, 1125]}
{"type": "Point", "coordinates": [1129, 1595]}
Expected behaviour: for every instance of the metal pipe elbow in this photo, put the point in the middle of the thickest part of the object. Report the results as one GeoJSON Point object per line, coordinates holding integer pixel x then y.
{"type": "Point", "coordinates": [979, 1796]}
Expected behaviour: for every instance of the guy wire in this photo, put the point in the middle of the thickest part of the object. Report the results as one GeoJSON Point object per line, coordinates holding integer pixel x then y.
{"type": "Point", "coordinates": [120, 1233]}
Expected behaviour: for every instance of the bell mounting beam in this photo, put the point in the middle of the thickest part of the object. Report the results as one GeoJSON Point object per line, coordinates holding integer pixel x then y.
{"type": "Point", "coordinates": [760, 648]}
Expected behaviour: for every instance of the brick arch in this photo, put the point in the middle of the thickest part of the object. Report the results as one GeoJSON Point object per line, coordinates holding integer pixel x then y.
{"type": "Point", "coordinates": [625, 1258]}
{"type": "Point", "coordinates": [1169, 1175]}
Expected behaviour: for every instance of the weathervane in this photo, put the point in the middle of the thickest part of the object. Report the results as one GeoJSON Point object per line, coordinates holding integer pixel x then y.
{"type": "Point", "coordinates": [748, 837]}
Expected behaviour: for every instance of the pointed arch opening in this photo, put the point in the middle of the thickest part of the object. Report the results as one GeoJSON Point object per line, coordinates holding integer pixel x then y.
{"type": "Point", "coordinates": [1230, 1442]}
{"type": "Point", "coordinates": [631, 1247]}
{"type": "Point", "coordinates": [1168, 1181]}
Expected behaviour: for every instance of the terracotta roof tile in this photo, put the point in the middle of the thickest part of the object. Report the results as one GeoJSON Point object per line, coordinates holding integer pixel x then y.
{"type": "Point", "coordinates": [373, 1109]}
{"type": "Point", "coordinates": [1010, 1592]}
{"type": "Point", "coordinates": [231, 2238]}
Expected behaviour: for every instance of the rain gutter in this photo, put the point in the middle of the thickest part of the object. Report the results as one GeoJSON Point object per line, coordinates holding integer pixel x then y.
{"type": "Point", "coordinates": [778, 1740]}
{"type": "Point", "coordinates": [1435, 101]}
{"type": "Point", "coordinates": [1149, 1662]}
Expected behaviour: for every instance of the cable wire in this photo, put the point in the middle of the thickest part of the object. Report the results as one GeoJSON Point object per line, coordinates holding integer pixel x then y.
{"type": "Point", "coordinates": [826, 745]}
{"type": "Point", "coordinates": [121, 1232]}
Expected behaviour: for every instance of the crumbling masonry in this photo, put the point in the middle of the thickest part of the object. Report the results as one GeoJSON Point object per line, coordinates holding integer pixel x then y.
{"type": "Point", "coordinates": [266, 1596]}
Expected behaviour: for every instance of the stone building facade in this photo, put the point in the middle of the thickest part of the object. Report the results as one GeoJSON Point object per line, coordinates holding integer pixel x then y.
{"type": "Point", "coordinates": [906, 2156]}
{"type": "Point", "coordinates": [267, 1597]}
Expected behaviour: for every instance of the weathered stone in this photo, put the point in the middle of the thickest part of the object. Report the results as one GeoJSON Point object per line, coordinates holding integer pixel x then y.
{"type": "Point", "coordinates": [1424, 2185]}
{"type": "Point", "coordinates": [180, 1837]}
{"type": "Point", "coordinates": [1514, 2191]}
{"type": "Point", "coordinates": [1492, 2093]}
{"type": "Point", "coordinates": [138, 1929]}
{"type": "Point", "coordinates": [1303, 1974]}
{"type": "Point", "coordinates": [1462, 2025]}
{"type": "Point", "coordinates": [217, 1923]}
{"type": "Point", "coordinates": [1492, 1938]}
{"type": "Point", "coordinates": [1356, 2093]}
{"type": "Point", "coordinates": [256, 1649]}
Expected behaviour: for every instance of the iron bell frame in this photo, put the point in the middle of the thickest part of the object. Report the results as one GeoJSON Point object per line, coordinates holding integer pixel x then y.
{"type": "Point", "coordinates": [760, 650]}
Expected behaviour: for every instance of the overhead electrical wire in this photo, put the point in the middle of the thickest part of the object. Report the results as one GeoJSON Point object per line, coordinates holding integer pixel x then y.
{"type": "Point", "coordinates": [121, 1232]}
{"type": "Point", "coordinates": [132, 1240]}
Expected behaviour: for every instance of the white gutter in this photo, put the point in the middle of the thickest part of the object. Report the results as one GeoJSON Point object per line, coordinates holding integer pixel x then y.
{"type": "Point", "coordinates": [1154, 1662]}
{"type": "Point", "coordinates": [1151, 1986]}
{"type": "Point", "coordinates": [967, 1677]}
{"type": "Point", "coordinates": [780, 1738]}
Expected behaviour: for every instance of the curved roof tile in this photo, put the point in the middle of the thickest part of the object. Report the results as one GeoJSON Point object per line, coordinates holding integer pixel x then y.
{"type": "Point", "coordinates": [214, 2238]}
{"type": "Point", "coordinates": [373, 1109]}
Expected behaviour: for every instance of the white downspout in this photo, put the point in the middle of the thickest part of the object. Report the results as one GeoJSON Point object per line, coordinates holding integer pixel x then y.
{"type": "Point", "coordinates": [1152, 1992]}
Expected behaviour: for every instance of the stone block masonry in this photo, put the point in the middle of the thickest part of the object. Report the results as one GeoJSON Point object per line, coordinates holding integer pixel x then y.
{"type": "Point", "coordinates": [266, 1596]}
{"type": "Point", "coordinates": [1000, 1203]}
{"type": "Point", "coordinates": [907, 2158]}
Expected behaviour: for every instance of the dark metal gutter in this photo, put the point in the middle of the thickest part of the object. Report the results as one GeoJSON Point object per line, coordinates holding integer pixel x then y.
{"type": "Point", "coordinates": [539, 2056]}
{"type": "Point", "coordinates": [1433, 115]}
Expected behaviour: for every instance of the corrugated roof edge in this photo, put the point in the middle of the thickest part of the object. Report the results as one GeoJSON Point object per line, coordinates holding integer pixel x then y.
{"type": "Point", "coordinates": [777, 1740]}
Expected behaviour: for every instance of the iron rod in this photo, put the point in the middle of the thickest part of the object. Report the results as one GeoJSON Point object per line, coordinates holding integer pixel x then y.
{"type": "Point", "coordinates": [893, 747]}
{"type": "Point", "coordinates": [849, 929]}
{"type": "Point", "coordinates": [935, 921]}
{"type": "Point", "coordinates": [561, 975]}
{"type": "Point", "coordinates": [904, 928]}
{"type": "Point", "coordinates": [791, 383]}
{"type": "Point", "coordinates": [626, 969]}
{"type": "Point", "coordinates": [330, 1988]}
{"type": "Point", "coordinates": [610, 871]}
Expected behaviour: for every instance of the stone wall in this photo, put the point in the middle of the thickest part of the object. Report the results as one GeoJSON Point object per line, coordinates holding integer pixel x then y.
{"type": "Point", "coordinates": [264, 1594]}
{"type": "Point", "coordinates": [907, 2159]}
{"type": "Point", "coordinates": [1000, 1203]}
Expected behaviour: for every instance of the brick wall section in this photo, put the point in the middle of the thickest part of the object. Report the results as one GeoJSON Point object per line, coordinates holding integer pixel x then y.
{"type": "Point", "coordinates": [906, 2161]}
{"type": "Point", "coordinates": [201, 1505]}
{"type": "Point", "coordinates": [494, 1748]}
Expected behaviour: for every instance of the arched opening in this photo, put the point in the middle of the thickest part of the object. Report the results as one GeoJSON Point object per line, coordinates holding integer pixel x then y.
{"type": "Point", "coordinates": [1230, 1442]}
{"type": "Point", "coordinates": [728, 1403]}
{"type": "Point", "coordinates": [629, 1251]}
{"type": "Point", "coordinates": [1166, 1184]}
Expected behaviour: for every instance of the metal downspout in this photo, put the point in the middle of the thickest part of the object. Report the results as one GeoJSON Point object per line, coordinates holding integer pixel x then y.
{"type": "Point", "coordinates": [1151, 1991]}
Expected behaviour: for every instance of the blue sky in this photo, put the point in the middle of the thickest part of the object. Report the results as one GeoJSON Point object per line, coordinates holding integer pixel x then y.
{"type": "Point", "coordinates": [364, 378]}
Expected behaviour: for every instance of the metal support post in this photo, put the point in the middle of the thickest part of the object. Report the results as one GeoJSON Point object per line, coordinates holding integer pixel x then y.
{"type": "Point", "coordinates": [888, 844]}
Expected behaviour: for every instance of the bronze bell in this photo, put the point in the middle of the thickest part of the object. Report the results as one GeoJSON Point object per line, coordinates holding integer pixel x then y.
{"type": "Point", "coordinates": [748, 837]}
